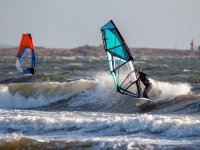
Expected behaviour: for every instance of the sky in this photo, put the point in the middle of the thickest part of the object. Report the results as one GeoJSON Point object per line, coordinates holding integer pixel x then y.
{"type": "Point", "coordinates": [73, 23]}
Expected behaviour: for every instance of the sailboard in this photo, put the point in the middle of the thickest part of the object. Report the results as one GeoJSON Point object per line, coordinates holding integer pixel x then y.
{"type": "Point", "coordinates": [26, 55]}
{"type": "Point", "coordinates": [140, 102]}
{"type": "Point", "coordinates": [121, 63]}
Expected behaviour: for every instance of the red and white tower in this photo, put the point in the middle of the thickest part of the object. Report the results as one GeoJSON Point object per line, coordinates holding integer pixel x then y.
{"type": "Point", "coordinates": [192, 45]}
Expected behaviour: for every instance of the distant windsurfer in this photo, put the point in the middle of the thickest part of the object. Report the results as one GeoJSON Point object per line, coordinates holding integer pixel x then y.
{"type": "Point", "coordinates": [31, 69]}
{"type": "Point", "coordinates": [145, 80]}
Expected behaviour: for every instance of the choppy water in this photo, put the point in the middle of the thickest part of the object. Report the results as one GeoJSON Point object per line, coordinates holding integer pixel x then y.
{"type": "Point", "coordinates": [70, 103]}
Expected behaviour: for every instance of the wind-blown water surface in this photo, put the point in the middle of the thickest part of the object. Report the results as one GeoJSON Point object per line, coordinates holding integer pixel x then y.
{"type": "Point", "coordinates": [71, 103]}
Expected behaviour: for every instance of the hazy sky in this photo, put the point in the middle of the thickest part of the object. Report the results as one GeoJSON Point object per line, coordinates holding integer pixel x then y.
{"type": "Point", "coordinates": [72, 23]}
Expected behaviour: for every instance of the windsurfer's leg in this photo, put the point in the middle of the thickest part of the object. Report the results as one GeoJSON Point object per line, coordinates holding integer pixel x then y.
{"type": "Point", "coordinates": [146, 90]}
{"type": "Point", "coordinates": [145, 94]}
{"type": "Point", "coordinates": [32, 70]}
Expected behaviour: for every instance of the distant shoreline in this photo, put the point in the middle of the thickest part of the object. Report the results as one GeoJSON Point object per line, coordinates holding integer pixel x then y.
{"type": "Point", "coordinates": [94, 51]}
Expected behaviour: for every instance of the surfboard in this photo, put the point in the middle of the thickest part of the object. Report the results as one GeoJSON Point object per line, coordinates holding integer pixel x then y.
{"type": "Point", "coordinates": [153, 94]}
{"type": "Point", "coordinates": [143, 102]}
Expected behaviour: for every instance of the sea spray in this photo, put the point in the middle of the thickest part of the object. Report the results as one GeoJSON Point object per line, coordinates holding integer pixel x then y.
{"type": "Point", "coordinates": [103, 93]}
{"type": "Point", "coordinates": [171, 90]}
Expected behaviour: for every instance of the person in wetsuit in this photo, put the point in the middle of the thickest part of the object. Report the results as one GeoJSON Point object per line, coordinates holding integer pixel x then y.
{"type": "Point", "coordinates": [145, 80]}
{"type": "Point", "coordinates": [31, 69]}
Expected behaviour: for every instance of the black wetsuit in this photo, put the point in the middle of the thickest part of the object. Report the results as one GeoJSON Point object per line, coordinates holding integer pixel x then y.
{"type": "Point", "coordinates": [31, 69]}
{"type": "Point", "coordinates": [148, 85]}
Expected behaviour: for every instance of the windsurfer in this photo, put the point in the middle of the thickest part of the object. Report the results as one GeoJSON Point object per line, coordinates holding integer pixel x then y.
{"type": "Point", "coordinates": [145, 80]}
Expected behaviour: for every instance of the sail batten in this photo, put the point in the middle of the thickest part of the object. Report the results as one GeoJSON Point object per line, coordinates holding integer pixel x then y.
{"type": "Point", "coordinates": [120, 61]}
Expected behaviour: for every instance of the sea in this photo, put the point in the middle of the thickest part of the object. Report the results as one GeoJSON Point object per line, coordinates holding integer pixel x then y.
{"type": "Point", "coordinates": [71, 103]}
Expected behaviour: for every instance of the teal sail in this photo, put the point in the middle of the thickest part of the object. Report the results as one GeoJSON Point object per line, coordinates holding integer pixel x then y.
{"type": "Point", "coordinates": [121, 63]}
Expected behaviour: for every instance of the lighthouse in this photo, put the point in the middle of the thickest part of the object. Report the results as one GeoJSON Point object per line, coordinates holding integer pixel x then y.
{"type": "Point", "coordinates": [192, 45]}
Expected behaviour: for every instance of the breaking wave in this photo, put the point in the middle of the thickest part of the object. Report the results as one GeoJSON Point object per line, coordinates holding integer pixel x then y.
{"type": "Point", "coordinates": [29, 95]}
{"type": "Point", "coordinates": [88, 123]}
{"type": "Point", "coordinates": [96, 94]}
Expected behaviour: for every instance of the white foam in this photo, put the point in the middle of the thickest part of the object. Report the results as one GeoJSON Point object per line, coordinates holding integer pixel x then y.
{"type": "Point", "coordinates": [101, 123]}
{"type": "Point", "coordinates": [171, 90]}
{"type": "Point", "coordinates": [103, 93]}
{"type": "Point", "coordinates": [105, 87]}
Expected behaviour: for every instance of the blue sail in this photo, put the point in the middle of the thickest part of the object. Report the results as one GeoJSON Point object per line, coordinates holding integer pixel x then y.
{"type": "Point", "coordinates": [120, 61]}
